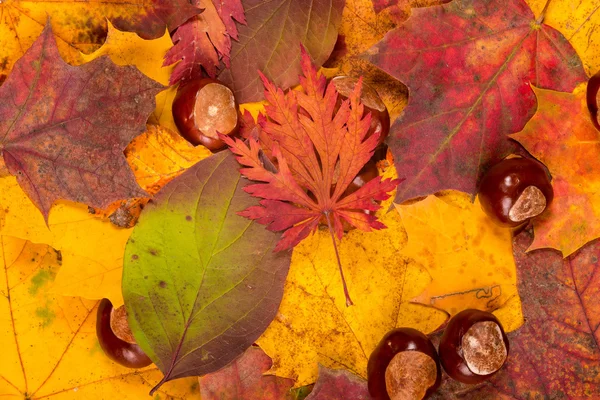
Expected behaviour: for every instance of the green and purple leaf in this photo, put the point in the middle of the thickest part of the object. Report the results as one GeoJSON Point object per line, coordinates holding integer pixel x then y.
{"type": "Point", "coordinates": [200, 282]}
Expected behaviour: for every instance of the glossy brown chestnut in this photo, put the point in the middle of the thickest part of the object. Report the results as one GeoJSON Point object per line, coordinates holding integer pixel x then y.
{"type": "Point", "coordinates": [404, 365]}
{"type": "Point", "coordinates": [515, 190]}
{"type": "Point", "coordinates": [380, 118]}
{"type": "Point", "coordinates": [122, 349]}
{"type": "Point", "coordinates": [473, 347]}
{"type": "Point", "coordinates": [202, 109]}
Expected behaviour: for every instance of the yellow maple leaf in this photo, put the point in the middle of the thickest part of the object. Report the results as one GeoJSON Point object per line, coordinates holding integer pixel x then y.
{"type": "Point", "coordinates": [578, 22]}
{"type": "Point", "coordinates": [469, 258]}
{"type": "Point", "coordinates": [314, 326]}
{"type": "Point", "coordinates": [49, 345]}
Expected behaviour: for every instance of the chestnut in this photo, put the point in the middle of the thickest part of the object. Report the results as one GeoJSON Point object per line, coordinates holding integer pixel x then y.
{"type": "Point", "coordinates": [202, 109]}
{"type": "Point", "coordinates": [473, 347]}
{"type": "Point", "coordinates": [515, 190]}
{"type": "Point", "coordinates": [115, 337]}
{"type": "Point", "coordinates": [380, 118]}
{"type": "Point", "coordinates": [404, 365]}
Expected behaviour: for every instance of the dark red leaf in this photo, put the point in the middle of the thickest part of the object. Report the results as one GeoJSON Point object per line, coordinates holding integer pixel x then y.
{"type": "Point", "coordinates": [204, 41]}
{"type": "Point", "coordinates": [339, 384]}
{"type": "Point", "coordinates": [63, 129]}
{"type": "Point", "coordinates": [468, 65]}
{"type": "Point", "coordinates": [243, 379]}
{"type": "Point", "coordinates": [555, 355]}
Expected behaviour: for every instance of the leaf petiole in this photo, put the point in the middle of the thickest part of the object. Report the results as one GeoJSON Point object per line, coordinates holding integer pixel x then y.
{"type": "Point", "coordinates": [337, 255]}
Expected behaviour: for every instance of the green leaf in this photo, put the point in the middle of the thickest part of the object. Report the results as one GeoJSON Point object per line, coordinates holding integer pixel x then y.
{"type": "Point", "coordinates": [201, 283]}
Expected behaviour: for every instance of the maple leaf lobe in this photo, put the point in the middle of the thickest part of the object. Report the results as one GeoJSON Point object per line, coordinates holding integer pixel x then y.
{"type": "Point", "coordinates": [468, 65]}
{"type": "Point", "coordinates": [64, 128]}
{"type": "Point", "coordinates": [317, 151]}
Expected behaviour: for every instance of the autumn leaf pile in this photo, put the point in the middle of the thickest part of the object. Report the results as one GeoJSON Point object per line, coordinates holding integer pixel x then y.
{"type": "Point", "coordinates": [237, 268]}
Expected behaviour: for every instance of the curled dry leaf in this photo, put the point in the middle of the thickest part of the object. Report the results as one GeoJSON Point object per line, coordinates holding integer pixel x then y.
{"type": "Point", "coordinates": [468, 65]}
{"type": "Point", "coordinates": [318, 153]}
{"type": "Point", "coordinates": [64, 128]}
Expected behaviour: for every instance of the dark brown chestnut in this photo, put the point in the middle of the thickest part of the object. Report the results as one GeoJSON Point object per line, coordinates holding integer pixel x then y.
{"type": "Point", "coordinates": [380, 118]}
{"type": "Point", "coordinates": [515, 190]}
{"type": "Point", "coordinates": [473, 347]}
{"type": "Point", "coordinates": [202, 109]}
{"type": "Point", "coordinates": [404, 365]}
{"type": "Point", "coordinates": [115, 337]}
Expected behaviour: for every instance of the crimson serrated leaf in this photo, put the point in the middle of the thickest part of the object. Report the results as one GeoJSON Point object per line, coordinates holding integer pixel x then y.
{"type": "Point", "coordinates": [204, 41]}
{"type": "Point", "coordinates": [316, 149]}
{"type": "Point", "coordinates": [468, 65]}
{"type": "Point", "coordinates": [63, 129]}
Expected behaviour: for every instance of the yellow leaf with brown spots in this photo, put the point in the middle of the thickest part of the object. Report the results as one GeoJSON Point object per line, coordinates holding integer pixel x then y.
{"type": "Point", "coordinates": [49, 345]}
{"type": "Point", "coordinates": [80, 26]}
{"type": "Point", "coordinates": [579, 22]}
{"type": "Point", "coordinates": [469, 258]}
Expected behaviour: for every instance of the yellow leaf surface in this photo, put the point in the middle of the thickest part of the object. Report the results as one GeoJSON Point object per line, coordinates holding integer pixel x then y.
{"type": "Point", "coordinates": [159, 155]}
{"type": "Point", "coordinates": [49, 345]}
{"type": "Point", "coordinates": [92, 249]}
{"type": "Point", "coordinates": [386, 270]}
{"type": "Point", "coordinates": [469, 258]}
{"type": "Point", "coordinates": [578, 21]}
{"type": "Point", "coordinates": [361, 28]}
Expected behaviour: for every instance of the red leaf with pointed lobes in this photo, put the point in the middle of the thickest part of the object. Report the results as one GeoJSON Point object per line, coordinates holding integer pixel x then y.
{"type": "Point", "coordinates": [318, 153]}
{"type": "Point", "coordinates": [468, 65]}
{"type": "Point", "coordinates": [204, 41]}
{"type": "Point", "coordinates": [63, 129]}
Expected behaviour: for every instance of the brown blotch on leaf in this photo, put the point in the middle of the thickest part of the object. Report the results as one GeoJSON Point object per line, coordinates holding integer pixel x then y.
{"type": "Point", "coordinates": [188, 217]}
{"type": "Point", "coordinates": [152, 251]}
{"type": "Point", "coordinates": [409, 375]}
{"type": "Point", "coordinates": [483, 348]}
{"type": "Point", "coordinates": [134, 257]}
{"type": "Point", "coordinates": [120, 326]}
{"type": "Point", "coordinates": [162, 284]}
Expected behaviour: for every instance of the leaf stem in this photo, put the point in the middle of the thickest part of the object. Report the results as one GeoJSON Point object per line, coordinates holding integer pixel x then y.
{"type": "Point", "coordinates": [540, 19]}
{"type": "Point", "coordinates": [337, 255]}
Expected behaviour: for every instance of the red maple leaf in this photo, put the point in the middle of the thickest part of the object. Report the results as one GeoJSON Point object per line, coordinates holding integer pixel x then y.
{"type": "Point", "coordinates": [318, 152]}
{"type": "Point", "coordinates": [205, 40]}
{"type": "Point", "coordinates": [63, 129]}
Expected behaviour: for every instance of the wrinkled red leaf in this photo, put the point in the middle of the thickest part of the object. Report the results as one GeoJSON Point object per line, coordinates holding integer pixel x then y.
{"type": "Point", "coordinates": [468, 65]}
{"type": "Point", "coordinates": [310, 151]}
{"type": "Point", "coordinates": [63, 129]}
{"type": "Point", "coordinates": [154, 16]}
{"type": "Point", "coordinates": [380, 5]}
{"type": "Point", "coordinates": [204, 41]}
{"type": "Point", "coordinates": [243, 379]}
{"type": "Point", "coordinates": [555, 355]}
{"type": "Point", "coordinates": [339, 384]}
{"type": "Point", "coordinates": [270, 42]}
